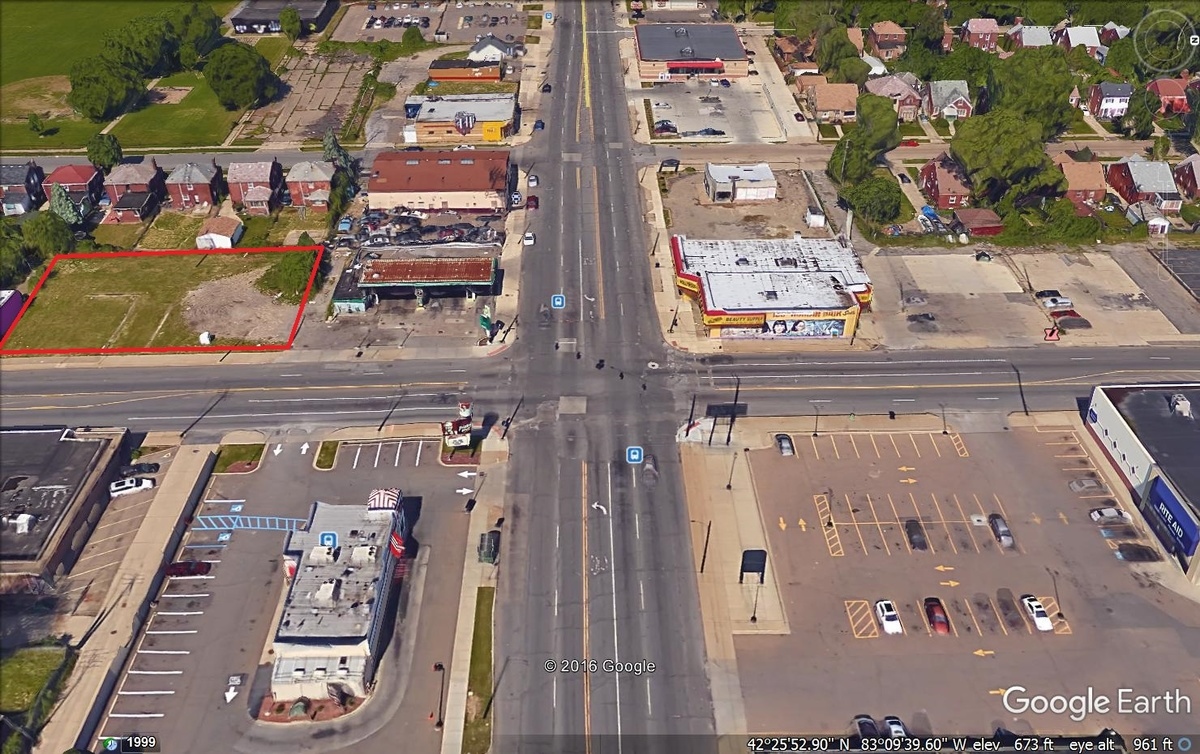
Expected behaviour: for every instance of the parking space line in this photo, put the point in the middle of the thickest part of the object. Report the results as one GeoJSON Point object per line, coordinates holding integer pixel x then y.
{"type": "Point", "coordinates": [155, 672]}
{"type": "Point", "coordinates": [875, 445]}
{"type": "Point", "coordinates": [180, 612]}
{"type": "Point", "coordinates": [118, 523]}
{"type": "Point", "coordinates": [94, 570]}
{"type": "Point", "coordinates": [145, 693]}
{"type": "Point", "coordinates": [896, 513]}
{"type": "Point", "coordinates": [862, 622]}
{"type": "Point", "coordinates": [833, 540]}
{"type": "Point", "coordinates": [914, 442]}
{"type": "Point", "coordinates": [879, 525]}
{"type": "Point", "coordinates": [1000, 505]}
{"type": "Point", "coordinates": [357, 451]}
{"type": "Point", "coordinates": [895, 447]}
{"type": "Point", "coordinates": [172, 633]}
{"type": "Point", "coordinates": [970, 612]}
{"type": "Point", "coordinates": [399, 445]}
{"type": "Point", "coordinates": [953, 623]}
{"type": "Point", "coordinates": [945, 525]}
{"type": "Point", "coordinates": [833, 442]}
{"type": "Point", "coordinates": [420, 444]}
{"type": "Point", "coordinates": [816, 451]}
{"type": "Point", "coordinates": [920, 519]}
{"type": "Point", "coordinates": [184, 596]}
{"type": "Point", "coordinates": [1061, 627]}
{"type": "Point", "coordinates": [99, 554]}
{"type": "Point", "coordinates": [164, 652]}
{"type": "Point", "coordinates": [857, 527]}
{"type": "Point", "coordinates": [131, 507]}
{"type": "Point", "coordinates": [854, 445]}
{"type": "Point", "coordinates": [136, 715]}
{"type": "Point", "coordinates": [1069, 442]}
{"type": "Point", "coordinates": [999, 619]}
{"type": "Point", "coordinates": [933, 441]}
{"type": "Point", "coordinates": [378, 452]}
{"type": "Point", "coordinates": [960, 446]}
{"type": "Point", "coordinates": [967, 522]}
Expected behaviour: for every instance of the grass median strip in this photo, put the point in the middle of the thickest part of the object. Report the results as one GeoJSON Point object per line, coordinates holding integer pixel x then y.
{"type": "Point", "coordinates": [327, 454]}
{"type": "Point", "coordinates": [241, 456]}
{"type": "Point", "coordinates": [477, 733]}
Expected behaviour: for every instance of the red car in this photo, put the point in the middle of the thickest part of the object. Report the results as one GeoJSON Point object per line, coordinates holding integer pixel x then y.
{"type": "Point", "coordinates": [910, 143]}
{"type": "Point", "coordinates": [189, 568]}
{"type": "Point", "coordinates": [936, 614]}
{"type": "Point", "coordinates": [531, 202]}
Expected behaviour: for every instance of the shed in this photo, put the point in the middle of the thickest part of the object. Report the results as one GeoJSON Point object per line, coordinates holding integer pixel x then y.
{"type": "Point", "coordinates": [814, 217]}
{"type": "Point", "coordinates": [739, 183]}
{"type": "Point", "coordinates": [977, 222]}
{"type": "Point", "coordinates": [1156, 224]}
{"type": "Point", "coordinates": [219, 233]}
{"type": "Point", "coordinates": [348, 297]}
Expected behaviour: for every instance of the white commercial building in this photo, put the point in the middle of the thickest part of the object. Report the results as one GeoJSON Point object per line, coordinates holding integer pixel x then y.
{"type": "Point", "coordinates": [739, 183]}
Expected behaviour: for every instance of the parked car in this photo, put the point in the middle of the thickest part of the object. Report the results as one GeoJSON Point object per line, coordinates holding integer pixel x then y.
{"type": "Point", "coordinates": [413, 213]}
{"type": "Point", "coordinates": [889, 619]}
{"type": "Point", "coordinates": [539, 125]}
{"type": "Point", "coordinates": [725, 83]}
{"type": "Point", "coordinates": [188, 568]}
{"type": "Point", "coordinates": [895, 727]}
{"type": "Point", "coordinates": [864, 726]}
{"type": "Point", "coordinates": [784, 443]}
{"type": "Point", "coordinates": [1001, 531]}
{"type": "Point", "coordinates": [939, 622]}
{"type": "Point", "coordinates": [413, 149]}
{"type": "Point", "coordinates": [531, 203]}
{"type": "Point", "coordinates": [1057, 302]}
{"type": "Point", "coordinates": [904, 178]}
{"type": "Point", "coordinates": [662, 105]}
{"type": "Point", "coordinates": [533, 181]}
{"type": "Point", "coordinates": [910, 143]}
{"type": "Point", "coordinates": [916, 535]}
{"type": "Point", "coordinates": [753, 72]}
{"type": "Point", "coordinates": [1048, 293]}
{"type": "Point", "coordinates": [514, 198]}
{"type": "Point", "coordinates": [711, 132]}
{"type": "Point", "coordinates": [799, 117]}
{"type": "Point", "coordinates": [345, 224]}
{"type": "Point", "coordinates": [529, 239]}
{"type": "Point", "coordinates": [1110, 514]}
{"type": "Point", "coordinates": [130, 486]}
{"type": "Point", "coordinates": [1037, 613]}
{"type": "Point", "coordinates": [546, 88]}
{"type": "Point", "coordinates": [140, 468]}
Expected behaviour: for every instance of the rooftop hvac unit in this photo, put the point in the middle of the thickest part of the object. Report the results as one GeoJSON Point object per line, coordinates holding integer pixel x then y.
{"type": "Point", "coordinates": [320, 555]}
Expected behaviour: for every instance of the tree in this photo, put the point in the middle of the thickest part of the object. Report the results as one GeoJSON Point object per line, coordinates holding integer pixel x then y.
{"type": "Point", "coordinates": [1048, 103]}
{"type": "Point", "coordinates": [14, 261]}
{"type": "Point", "coordinates": [289, 23]}
{"type": "Point", "coordinates": [1139, 118]}
{"type": "Point", "coordinates": [334, 152]}
{"type": "Point", "coordinates": [104, 151]}
{"type": "Point", "coordinates": [851, 71]}
{"type": "Point", "coordinates": [47, 234]}
{"type": "Point", "coordinates": [1043, 12]}
{"type": "Point", "coordinates": [412, 39]}
{"type": "Point", "coordinates": [1003, 155]}
{"type": "Point", "coordinates": [240, 76]}
{"type": "Point", "coordinates": [965, 63]}
{"type": "Point", "coordinates": [927, 33]}
{"type": "Point", "coordinates": [918, 61]}
{"type": "Point", "coordinates": [833, 47]}
{"type": "Point", "coordinates": [876, 199]}
{"type": "Point", "coordinates": [288, 278]}
{"type": "Point", "coordinates": [35, 123]}
{"type": "Point", "coordinates": [195, 29]}
{"type": "Point", "coordinates": [877, 124]}
{"type": "Point", "coordinates": [805, 19]}
{"type": "Point", "coordinates": [1161, 148]}
{"type": "Point", "coordinates": [61, 205]}
{"type": "Point", "coordinates": [851, 161]}
{"type": "Point", "coordinates": [142, 46]}
{"type": "Point", "coordinates": [1122, 58]}
{"type": "Point", "coordinates": [101, 88]}
{"type": "Point", "coordinates": [1191, 121]}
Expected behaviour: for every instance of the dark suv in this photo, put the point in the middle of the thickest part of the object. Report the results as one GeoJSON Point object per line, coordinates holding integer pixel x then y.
{"type": "Point", "coordinates": [140, 468]}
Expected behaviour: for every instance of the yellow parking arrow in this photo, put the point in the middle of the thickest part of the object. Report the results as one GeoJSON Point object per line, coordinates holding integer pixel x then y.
{"type": "Point", "coordinates": [782, 524]}
{"type": "Point", "coordinates": [997, 692]}
{"type": "Point", "coordinates": [803, 525]}
{"type": "Point", "coordinates": [907, 468]}
{"type": "Point", "coordinates": [949, 583]}
{"type": "Point", "coordinates": [1063, 517]}
{"type": "Point", "coordinates": [943, 568]}
{"type": "Point", "coordinates": [984, 653]}
{"type": "Point", "coordinates": [908, 481]}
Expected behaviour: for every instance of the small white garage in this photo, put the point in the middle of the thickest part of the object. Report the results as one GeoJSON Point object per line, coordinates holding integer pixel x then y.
{"type": "Point", "coordinates": [730, 184]}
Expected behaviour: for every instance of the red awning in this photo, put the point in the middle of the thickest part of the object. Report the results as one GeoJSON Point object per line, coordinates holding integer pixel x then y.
{"type": "Point", "coordinates": [707, 64]}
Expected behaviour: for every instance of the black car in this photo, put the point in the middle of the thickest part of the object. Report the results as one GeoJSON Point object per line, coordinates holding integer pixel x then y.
{"type": "Point", "coordinates": [711, 132]}
{"type": "Point", "coordinates": [139, 468]}
{"type": "Point", "coordinates": [413, 149]}
{"type": "Point", "coordinates": [489, 218]}
{"type": "Point", "coordinates": [545, 88]}
{"type": "Point", "coordinates": [904, 178]}
{"type": "Point", "coordinates": [864, 726]}
{"type": "Point", "coordinates": [916, 534]}
{"type": "Point", "coordinates": [1048, 293]}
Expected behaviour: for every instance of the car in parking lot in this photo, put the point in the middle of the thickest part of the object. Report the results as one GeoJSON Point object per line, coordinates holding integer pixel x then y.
{"type": "Point", "coordinates": [532, 203]}
{"type": "Point", "coordinates": [528, 239]}
{"type": "Point", "coordinates": [895, 727]}
{"type": "Point", "coordinates": [533, 181]}
{"type": "Point", "coordinates": [345, 224]}
{"type": "Point", "coordinates": [130, 486]}
{"type": "Point", "coordinates": [1057, 302]}
{"type": "Point", "coordinates": [939, 622]}
{"type": "Point", "coordinates": [139, 468]}
{"type": "Point", "coordinates": [725, 83]}
{"type": "Point", "coordinates": [546, 88]}
{"type": "Point", "coordinates": [1000, 531]}
{"type": "Point", "coordinates": [799, 117]}
{"type": "Point", "coordinates": [916, 535]}
{"type": "Point", "coordinates": [889, 619]}
{"type": "Point", "coordinates": [1110, 514]}
{"type": "Point", "coordinates": [864, 726]}
{"type": "Point", "coordinates": [514, 198]}
{"type": "Point", "coordinates": [710, 132]}
{"type": "Point", "coordinates": [1037, 613]}
{"type": "Point", "coordinates": [784, 443]}
{"type": "Point", "coordinates": [1048, 293]}
{"type": "Point", "coordinates": [188, 568]}
{"type": "Point", "coordinates": [539, 125]}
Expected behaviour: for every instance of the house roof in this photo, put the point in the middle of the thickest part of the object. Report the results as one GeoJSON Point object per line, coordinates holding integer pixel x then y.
{"type": "Point", "coordinates": [705, 42]}
{"type": "Point", "coordinates": [888, 27]}
{"type": "Point", "coordinates": [759, 173]}
{"type": "Point", "coordinates": [14, 173]}
{"type": "Point", "coordinates": [311, 171]}
{"type": "Point", "coordinates": [896, 86]}
{"type": "Point", "coordinates": [1032, 36]}
{"type": "Point", "coordinates": [492, 42]}
{"type": "Point", "coordinates": [71, 174]}
{"type": "Point", "coordinates": [1081, 35]}
{"type": "Point", "coordinates": [787, 45]}
{"type": "Point", "coordinates": [1121, 31]}
{"type": "Point", "coordinates": [250, 172]}
{"type": "Point", "coordinates": [134, 200]}
{"type": "Point", "coordinates": [474, 170]}
{"type": "Point", "coordinates": [982, 26]}
{"type": "Point", "coordinates": [477, 270]}
{"type": "Point", "coordinates": [257, 194]}
{"type": "Point", "coordinates": [1168, 87]}
{"type": "Point", "coordinates": [978, 218]}
{"type": "Point", "coordinates": [1192, 163]}
{"type": "Point", "coordinates": [193, 172]}
{"type": "Point", "coordinates": [221, 226]}
{"type": "Point", "coordinates": [856, 38]}
{"type": "Point", "coordinates": [835, 96]}
{"type": "Point", "coordinates": [1084, 176]}
{"type": "Point", "coordinates": [811, 79]}
{"type": "Point", "coordinates": [133, 173]}
{"type": "Point", "coordinates": [950, 176]}
{"type": "Point", "coordinates": [943, 93]}
{"type": "Point", "coordinates": [877, 66]}
{"type": "Point", "coordinates": [487, 108]}
{"type": "Point", "coordinates": [450, 65]}
{"type": "Point", "coordinates": [1116, 89]}
{"type": "Point", "coordinates": [1150, 177]}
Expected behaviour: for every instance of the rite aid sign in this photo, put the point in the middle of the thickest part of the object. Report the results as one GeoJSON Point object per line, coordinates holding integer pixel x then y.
{"type": "Point", "coordinates": [1170, 511]}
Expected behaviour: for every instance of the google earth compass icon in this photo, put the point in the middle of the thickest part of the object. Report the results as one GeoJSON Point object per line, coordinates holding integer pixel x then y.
{"type": "Point", "coordinates": [1166, 42]}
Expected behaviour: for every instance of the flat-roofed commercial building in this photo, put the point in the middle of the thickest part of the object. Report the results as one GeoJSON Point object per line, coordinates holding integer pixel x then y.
{"type": "Point", "coordinates": [469, 180]}
{"type": "Point", "coordinates": [459, 119]}
{"type": "Point", "coordinates": [677, 52]}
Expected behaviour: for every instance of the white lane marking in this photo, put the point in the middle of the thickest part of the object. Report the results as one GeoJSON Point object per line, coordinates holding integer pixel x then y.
{"type": "Point", "coordinates": [878, 363]}
{"type": "Point", "coordinates": [637, 525]}
{"type": "Point", "coordinates": [430, 409]}
{"type": "Point", "coordinates": [819, 400]}
{"type": "Point", "coordinates": [581, 276]}
{"type": "Point", "coordinates": [378, 452]}
{"type": "Point", "coordinates": [137, 716]}
{"type": "Point", "coordinates": [649, 704]}
{"type": "Point", "coordinates": [1081, 358]}
{"type": "Point", "coordinates": [180, 612]}
{"type": "Point", "coordinates": [1160, 358]}
{"type": "Point", "coordinates": [642, 593]}
{"type": "Point", "coordinates": [987, 399]}
{"type": "Point", "coordinates": [357, 452]}
{"type": "Point", "coordinates": [820, 375]}
{"type": "Point", "coordinates": [163, 652]}
{"type": "Point", "coordinates": [372, 373]}
{"type": "Point", "coordinates": [557, 532]}
{"type": "Point", "coordinates": [456, 371]}
{"type": "Point", "coordinates": [291, 375]}
{"type": "Point", "coordinates": [398, 446]}
{"type": "Point", "coordinates": [612, 571]}
{"type": "Point", "coordinates": [155, 672]}
{"type": "Point", "coordinates": [904, 400]}
{"type": "Point", "coordinates": [184, 596]}
{"type": "Point", "coordinates": [554, 692]}
{"type": "Point", "coordinates": [555, 602]}
{"type": "Point", "coordinates": [191, 578]}
{"type": "Point", "coordinates": [114, 564]}
{"type": "Point", "coordinates": [419, 446]}
{"type": "Point", "coordinates": [343, 398]}
{"type": "Point", "coordinates": [171, 633]}
{"type": "Point", "coordinates": [145, 693]}
{"type": "Point", "coordinates": [103, 552]}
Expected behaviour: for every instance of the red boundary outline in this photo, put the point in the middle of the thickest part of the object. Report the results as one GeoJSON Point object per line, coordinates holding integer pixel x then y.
{"type": "Point", "coordinates": [161, 349]}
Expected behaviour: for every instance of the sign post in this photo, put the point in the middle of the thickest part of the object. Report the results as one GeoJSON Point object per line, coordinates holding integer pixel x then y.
{"type": "Point", "coordinates": [485, 319]}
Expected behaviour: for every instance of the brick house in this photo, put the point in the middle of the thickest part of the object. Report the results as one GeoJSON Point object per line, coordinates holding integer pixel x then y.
{"type": "Point", "coordinates": [195, 185]}
{"type": "Point", "coordinates": [944, 183]}
{"type": "Point", "coordinates": [903, 89]}
{"type": "Point", "coordinates": [947, 37]}
{"type": "Point", "coordinates": [1109, 100]}
{"type": "Point", "coordinates": [834, 103]}
{"type": "Point", "coordinates": [1187, 177]}
{"type": "Point", "coordinates": [310, 184]}
{"type": "Point", "coordinates": [981, 33]}
{"type": "Point", "coordinates": [22, 185]}
{"type": "Point", "coordinates": [135, 191]}
{"type": "Point", "coordinates": [1085, 184]}
{"type": "Point", "coordinates": [83, 183]}
{"type": "Point", "coordinates": [1112, 32]}
{"type": "Point", "coordinates": [255, 185]}
{"type": "Point", "coordinates": [794, 50]}
{"type": "Point", "coordinates": [1080, 36]}
{"type": "Point", "coordinates": [1172, 93]}
{"type": "Point", "coordinates": [888, 40]}
{"type": "Point", "coordinates": [1138, 180]}
{"type": "Point", "coordinates": [948, 99]}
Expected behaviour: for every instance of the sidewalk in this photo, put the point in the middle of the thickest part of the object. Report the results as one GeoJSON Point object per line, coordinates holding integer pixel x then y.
{"type": "Point", "coordinates": [106, 641]}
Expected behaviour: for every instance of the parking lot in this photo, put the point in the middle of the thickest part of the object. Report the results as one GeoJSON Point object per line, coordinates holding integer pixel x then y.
{"type": "Point", "coordinates": [465, 22]}
{"type": "Point", "coordinates": [905, 517]}
{"type": "Point", "coordinates": [208, 632]}
{"type": "Point", "coordinates": [354, 24]}
{"type": "Point", "coordinates": [741, 110]}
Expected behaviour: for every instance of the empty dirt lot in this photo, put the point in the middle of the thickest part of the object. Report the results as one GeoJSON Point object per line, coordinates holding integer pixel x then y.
{"type": "Point", "coordinates": [692, 214]}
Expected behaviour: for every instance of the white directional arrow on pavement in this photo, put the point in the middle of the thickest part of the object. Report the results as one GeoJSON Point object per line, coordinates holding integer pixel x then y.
{"type": "Point", "coordinates": [600, 507]}
{"type": "Point", "coordinates": [304, 449]}
{"type": "Point", "coordinates": [278, 449]}
{"type": "Point", "coordinates": [466, 474]}
{"type": "Point", "coordinates": [230, 693]}
{"type": "Point", "coordinates": [589, 298]}
{"type": "Point", "coordinates": [464, 491]}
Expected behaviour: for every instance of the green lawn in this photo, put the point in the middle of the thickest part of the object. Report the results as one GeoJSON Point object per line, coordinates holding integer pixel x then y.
{"type": "Point", "coordinates": [1190, 212]}
{"type": "Point", "coordinates": [449, 88]}
{"type": "Point", "coordinates": [942, 126]}
{"type": "Point", "coordinates": [131, 302]}
{"type": "Point", "coordinates": [231, 454]}
{"type": "Point", "coordinates": [1078, 125]}
{"type": "Point", "coordinates": [23, 674]}
{"type": "Point", "coordinates": [199, 120]}
{"type": "Point", "coordinates": [64, 133]}
{"type": "Point", "coordinates": [909, 129]}
{"type": "Point", "coordinates": [533, 22]}
{"type": "Point", "coordinates": [44, 38]}
{"type": "Point", "coordinates": [827, 131]}
{"type": "Point", "coordinates": [172, 230]}
{"type": "Point", "coordinates": [124, 237]}
{"type": "Point", "coordinates": [273, 49]}
{"type": "Point", "coordinates": [477, 734]}
{"type": "Point", "coordinates": [456, 55]}
{"type": "Point", "coordinates": [327, 454]}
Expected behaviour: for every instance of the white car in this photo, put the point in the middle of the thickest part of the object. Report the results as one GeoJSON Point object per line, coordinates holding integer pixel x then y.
{"type": "Point", "coordinates": [408, 20]}
{"type": "Point", "coordinates": [889, 619]}
{"type": "Point", "coordinates": [418, 214]}
{"type": "Point", "coordinates": [1056, 302]}
{"type": "Point", "coordinates": [130, 486]}
{"type": "Point", "coordinates": [1037, 613]}
{"type": "Point", "coordinates": [1110, 514]}
{"type": "Point", "coordinates": [529, 239]}
{"type": "Point", "coordinates": [533, 181]}
{"type": "Point", "coordinates": [662, 105]}
{"type": "Point", "coordinates": [463, 147]}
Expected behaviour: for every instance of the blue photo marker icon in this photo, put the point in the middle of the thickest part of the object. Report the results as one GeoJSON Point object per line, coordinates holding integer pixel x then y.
{"type": "Point", "coordinates": [558, 301]}
{"type": "Point", "coordinates": [549, 16]}
{"type": "Point", "coordinates": [328, 539]}
{"type": "Point", "coordinates": [634, 454]}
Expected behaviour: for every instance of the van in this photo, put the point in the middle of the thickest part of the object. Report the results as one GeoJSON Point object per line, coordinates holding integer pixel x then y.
{"type": "Point", "coordinates": [130, 486]}
{"type": "Point", "coordinates": [1001, 531]}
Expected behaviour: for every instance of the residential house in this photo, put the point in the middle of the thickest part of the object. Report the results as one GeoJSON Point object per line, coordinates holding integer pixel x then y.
{"type": "Point", "coordinates": [1109, 100]}
{"type": "Point", "coordinates": [888, 40]}
{"type": "Point", "coordinates": [977, 222]}
{"type": "Point", "coordinates": [794, 50]}
{"type": "Point", "coordinates": [834, 103]}
{"type": "Point", "coordinates": [220, 233]}
{"type": "Point", "coordinates": [256, 186]}
{"type": "Point", "coordinates": [1111, 32]}
{"type": "Point", "coordinates": [1080, 36]}
{"type": "Point", "coordinates": [903, 89]}
{"type": "Point", "coordinates": [311, 184]}
{"type": "Point", "coordinates": [856, 38]}
{"type": "Point", "coordinates": [805, 83]}
{"type": "Point", "coordinates": [490, 49]}
{"type": "Point", "coordinates": [1085, 184]}
{"type": "Point", "coordinates": [1187, 176]}
{"type": "Point", "coordinates": [944, 182]}
{"type": "Point", "coordinates": [877, 68]}
{"type": "Point", "coordinates": [948, 99]}
{"type": "Point", "coordinates": [83, 183]}
{"type": "Point", "coordinates": [981, 33]}
{"type": "Point", "coordinates": [1146, 212]}
{"type": "Point", "coordinates": [135, 190]}
{"type": "Point", "coordinates": [195, 184]}
{"type": "Point", "coordinates": [22, 184]}
{"type": "Point", "coordinates": [947, 37]}
{"type": "Point", "coordinates": [1172, 93]}
{"type": "Point", "coordinates": [1030, 36]}
{"type": "Point", "coordinates": [1136, 179]}
{"type": "Point", "coordinates": [1074, 99]}
{"type": "Point", "coordinates": [470, 180]}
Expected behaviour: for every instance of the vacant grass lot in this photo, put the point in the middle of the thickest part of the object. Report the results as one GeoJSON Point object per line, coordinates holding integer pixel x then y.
{"type": "Point", "coordinates": [22, 675]}
{"type": "Point", "coordinates": [273, 49]}
{"type": "Point", "coordinates": [123, 302]}
{"type": "Point", "coordinates": [199, 120]}
{"type": "Point", "coordinates": [59, 133]}
{"type": "Point", "coordinates": [172, 230]}
{"type": "Point", "coordinates": [450, 88]}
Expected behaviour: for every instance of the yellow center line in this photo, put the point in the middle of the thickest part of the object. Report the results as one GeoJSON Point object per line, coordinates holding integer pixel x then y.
{"type": "Point", "coordinates": [599, 254]}
{"type": "Point", "coordinates": [587, 85]}
{"type": "Point", "coordinates": [587, 678]}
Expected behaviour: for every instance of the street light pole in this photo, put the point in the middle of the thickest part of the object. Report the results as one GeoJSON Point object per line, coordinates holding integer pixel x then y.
{"type": "Point", "coordinates": [441, 718]}
{"type": "Point", "coordinates": [732, 466]}
{"type": "Point", "coordinates": [707, 535]}
{"type": "Point", "coordinates": [757, 589]}
{"type": "Point", "coordinates": [816, 419]}
{"type": "Point", "coordinates": [945, 430]}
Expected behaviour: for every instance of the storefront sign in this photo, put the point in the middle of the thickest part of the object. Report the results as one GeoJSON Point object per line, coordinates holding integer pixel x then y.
{"type": "Point", "coordinates": [687, 284]}
{"type": "Point", "coordinates": [792, 315]}
{"type": "Point", "coordinates": [734, 320]}
{"type": "Point", "coordinates": [1178, 523]}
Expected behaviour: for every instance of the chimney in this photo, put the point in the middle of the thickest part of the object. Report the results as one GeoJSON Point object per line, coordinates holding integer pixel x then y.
{"type": "Point", "coordinates": [216, 167]}
{"type": "Point", "coordinates": [154, 164]}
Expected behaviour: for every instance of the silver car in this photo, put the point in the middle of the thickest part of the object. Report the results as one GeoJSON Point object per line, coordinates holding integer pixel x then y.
{"type": "Point", "coordinates": [784, 443]}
